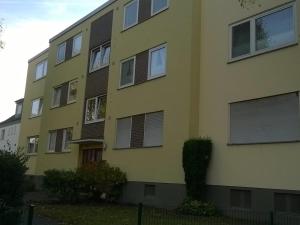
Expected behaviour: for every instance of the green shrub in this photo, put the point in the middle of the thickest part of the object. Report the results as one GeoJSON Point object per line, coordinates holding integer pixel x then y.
{"type": "Point", "coordinates": [195, 160]}
{"type": "Point", "coordinates": [197, 208]}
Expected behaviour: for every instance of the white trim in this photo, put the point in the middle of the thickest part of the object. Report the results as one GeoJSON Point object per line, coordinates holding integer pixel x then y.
{"type": "Point", "coordinates": [162, 9]}
{"type": "Point", "coordinates": [253, 51]}
{"type": "Point", "coordinates": [43, 62]}
{"type": "Point", "coordinates": [34, 146]}
{"type": "Point", "coordinates": [137, 14]}
{"type": "Point", "coordinates": [64, 138]}
{"type": "Point", "coordinates": [69, 84]}
{"type": "Point", "coordinates": [133, 75]}
{"type": "Point", "coordinates": [76, 36]}
{"type": "Point", "coordinates": [53, 94]}
{"type": "Point", "coordinates": [40, 110]}
{"type": "Point", "coordinates": [58, 47]}
{"type": "Point", "coordinates": [96, 106]}
{"type": "Point", "coordinates": [101, 47]}
{"type": "Point", "coordinates": [49, 139]}
{"type": "Point", "coordinates": [149, 76]}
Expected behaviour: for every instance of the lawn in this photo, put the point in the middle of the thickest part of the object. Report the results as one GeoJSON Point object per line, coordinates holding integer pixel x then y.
{"type": "Point", "coordinates": [124, 215]}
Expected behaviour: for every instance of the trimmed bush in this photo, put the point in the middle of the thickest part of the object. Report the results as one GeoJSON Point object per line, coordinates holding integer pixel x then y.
{"type": "Point", "coordinates": [195, 160]}
{"type": "Point", "coordinates": [197, 208]}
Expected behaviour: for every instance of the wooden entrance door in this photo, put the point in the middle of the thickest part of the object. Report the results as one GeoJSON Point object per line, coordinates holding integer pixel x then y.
{"type": "Point", "coordinates": [91, 156]}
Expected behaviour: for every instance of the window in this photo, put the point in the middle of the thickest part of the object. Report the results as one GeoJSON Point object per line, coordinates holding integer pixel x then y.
{"type": "Point", "coordinates": [265, 32]}
{"type": "Point", "coordinates": [76, 44]}
{"type": "Point", "coordinates": [2, 136]}
{"type": "Point", "coordinates": [56, 96]}
{"type": "Point", "coordinates": [67, 138]}
{"type": "Point", "coordinates": [153, 129]}
{"type": "Point", "coordinates": [95, 109]}
{"type": "Point", "coordinates": [100, 57]}
{"type": "Point", "coordinates": [41, 69]}
{"type": "Point", "coordinates": [72, 91]}
{"type": "Point", "coordinates": [61, 52]}
{"type": "Point", "coordinates": [123, 133]}
{"type": "Point", "coordinates": [36, 107]}
{"type": "Point", "coordinates": [157, 62]}
{"type": "Point", "coordinates": [131, 14]}
{"type": "Point", "coordinates": [149, 190]}
{"type": "Point", "coordinates": [265, 120]}
{"type": "Point", "coordinates": [52, 141]}
{"type": "Point", "coordinates": [32, 144]}
{"type": "Point", "coordinates": [158, 6]}
{"type": "Point", "coordinates": [19, 109]}
{"type": "Point", "coordinates": [127, 72]}
{"type": "Point", "coordinates": [240, 199]}
{"type": "Point", "coordinates": [287, 202]}
{"type": "Point", "coordinates": [59, 140]}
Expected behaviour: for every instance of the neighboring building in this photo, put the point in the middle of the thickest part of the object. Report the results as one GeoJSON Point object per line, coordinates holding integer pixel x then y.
{"type": "Point", "coordinates": [10, 129]}
{"type": "Point", "coordinates": [133, 80]}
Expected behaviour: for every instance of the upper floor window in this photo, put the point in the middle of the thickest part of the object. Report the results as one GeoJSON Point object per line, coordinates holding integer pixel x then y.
{"type": "Point", "coordinates": [36, 107]}
{"type": "Point", "coordinates": [100, 57]}
{"type": "Point", "coordinates": [131, 14]}
{"type": "Point", "coordinates": [61, 52]}
{"type": "Point", "coordinates": [127, 72]}
{"type": "Point", "coordinates": [158, 6]}
{"type": "Point", "coordinates": [32, 144]}
{"type": "Point", "coordinates": [64, 94]}
{"type": "Point", "coordinates": [19, 109]}
{"type": "Point", "coordinates": [41, 69]}
{"type": "Point", "coordinates": [95, 109]}
{"type": "Point", "coordinates": [76, 44]}
{"type": "Point", "coordinates": [265, 32]}
{"type": "Point", "coordinates": [157, 62]}
{"type": "Point", "coordinates": [2, 134]}
{"type": "Point", "coordinates": [72, 91]}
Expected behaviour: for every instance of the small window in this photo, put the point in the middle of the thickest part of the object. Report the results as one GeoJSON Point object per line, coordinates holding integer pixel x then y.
{"type": "Point", "coordinates": [41, 69]}
{"type": "Point", "coordinates": [72, 91]}
{"type": "Point", "coordinates": [158, 6]}
{"type": "Point", "coordinates": [131, 14]}
{"type": "Point", "coordinates": [95, 109]}
{"type": "Point", "coordinates": [36, 107]}
{"type": "Point", "coordinates": [100, 57]}
{"type": "Point", "coordinates": [265, 32]}
{"type": "Point", "coordinates": [149, 190]}
{"type": "Point", "coordinates": [240, 199]}
{"type": "Point", "coordinates": [127, 72]}
{"type": "Point", "coordinates": [67, 138]}
{"type": "Point", "coordinates": [61, 53]}
{"type": "Point", "coordinates": [56, 96]}
{"type": "Point", "coordinates": [284, 202]}
{"type": "Point", "coordinates": [32, 145]}
{"type": "Point", "coordinates": [157, 62]}
{"type": "Point", "coordinates": [52, 141]}
{"type": "Point", "coordinates": [76, 44]}
{"type": "Point", "coordinates": [19, 109]}
{"type": "Point", "coordinates": [123, 139]}
{"type": "Point", "coordinates": [153, 133]}
{"type": "Point", "coordinates": [2, 136]}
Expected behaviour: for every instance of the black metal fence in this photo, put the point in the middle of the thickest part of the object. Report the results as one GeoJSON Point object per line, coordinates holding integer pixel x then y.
{"type": "Point", "coordinates": [150, 216]}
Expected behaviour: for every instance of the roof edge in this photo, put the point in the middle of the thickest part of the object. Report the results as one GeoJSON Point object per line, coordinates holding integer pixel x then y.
{"type": "Point", "coordinates": [38, 55]}
{"type": "Point", "coordinates": [100, 8]}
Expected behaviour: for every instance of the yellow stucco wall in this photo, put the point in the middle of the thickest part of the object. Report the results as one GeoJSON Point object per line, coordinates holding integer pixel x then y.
{"type": "Point", "coordinates": [264, 166]}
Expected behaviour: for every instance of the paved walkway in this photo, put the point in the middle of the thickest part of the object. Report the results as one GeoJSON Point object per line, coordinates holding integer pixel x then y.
{"type": "Point", "coordinates": [38, 220]}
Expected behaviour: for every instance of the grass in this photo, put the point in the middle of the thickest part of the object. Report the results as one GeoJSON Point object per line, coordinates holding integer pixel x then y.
{"type": "Point", "coordinates": [106, 214]}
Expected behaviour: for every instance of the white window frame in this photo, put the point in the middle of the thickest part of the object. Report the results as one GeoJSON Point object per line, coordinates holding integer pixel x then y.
{"type": "Point", "coordinates": [59, 46]}
{"type": "Point", "coordinates": [253, 51]}
{"type": "Point", "coordinates": [35, 145]}
{"type": "Point", "coordinates": [69, 88]}
{"type": "Point", "coordinates": [64, 140]}
{"type": "Point", "coordinates": [162, 9]}
{"type": "Point", "coordinates": [149, 76]}
{"type": "Point", "coordinates": [96, 106]}
{"type": "Point", "coordinates": [40, 108]}
{"type": "Point", "coordinates": [76, 36]}
{"type": "Point", "coordinates": [116, 136]}
{"type": "Point", "coordinates": [100, 52]}
{"type": "Point", "coordinates": [137, 14]}
{"type": "Point", "coordinates": [133, 76]}
{"type": "Point", "coordinates": [53, 94]}
{"type": "Point", "coordinates": [44, 64]}
{"type": "Point", "coordinates": [49, 139]}
{"type": "Point", "coordinates": [163, 130]}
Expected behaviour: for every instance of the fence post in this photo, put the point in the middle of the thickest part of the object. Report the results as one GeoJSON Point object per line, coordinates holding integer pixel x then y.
{"type": "Point", "coordinates": [30, 215]}
{"type": "Point", "coordinates": [140, 213]}
{"type": "Point", "coordinates": [271, 218]}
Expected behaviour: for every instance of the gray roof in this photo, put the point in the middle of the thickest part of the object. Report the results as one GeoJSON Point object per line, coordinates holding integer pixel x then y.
{"type": "Point", "coordinates": [11, 120]}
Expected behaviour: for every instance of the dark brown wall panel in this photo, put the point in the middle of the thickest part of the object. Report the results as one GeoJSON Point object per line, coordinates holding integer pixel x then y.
{"type": "Point", "coordinates": [101, 30]}
{"type": "Point", "coordinates": [141, 67]}
{"type": "Point", "coordinates": [93, 130]}
{"type": "Point", "coordinates": [96, 83]}
{"type": "Point", "coordinates": [137, 131]}
{"type": "Point", "coordinates": [59, 139]}
{"type": "Point", "coordinates": [69, 48]}
{"type": "Point", "coordinates": [64, 94]}
{"type": "Point", "coordinates": [144, 10]}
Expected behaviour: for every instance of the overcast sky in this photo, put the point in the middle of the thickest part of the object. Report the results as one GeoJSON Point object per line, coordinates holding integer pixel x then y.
{"type": "Point", "coordinates": [28, 26]}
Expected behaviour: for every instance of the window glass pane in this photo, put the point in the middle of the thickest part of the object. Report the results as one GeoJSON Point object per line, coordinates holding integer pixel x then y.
{"type": "Point", "coordinates": [32, 144]}
{"type": "Point", "coordinates": [127, 72]}
{"type": "Point", "coordinates": [39, 71]}
{"type": "Point", "coordinates": [41, 106]}
{"type": "Point", "coordinates": [72, 91]}
{"type": "Point", "coordinates": [158, 62]}
{"type": "Point", "coordinates": [95, 59]}
{"type": "Point", "coordinates": [158, 5]}
{"type": "Point", "coordinates": [76, 45]}
{"type": "Point", "coordinates": [45, 67]}
{"type": "Point", "coordinates": [123, 133]}
{"type": "Point", "coordinates": [275, 29]}
{"type": "Point", "coordinates": [90, 110]}
{"type": "Point", "coordinates": [153, 129]}
{"type": "Point", "coordinates": [101, 107]}
{"type": "Point", "coordinates": [61, 52]}
{"type": "Point", "coordinates": [67, 138]}
{"type": "Point", "coordinates": [131, 14]}
{"type": "Point", "coordinates": [19, 109]}
{"type": "Point", "coordinates": [56, 97]}
{"type": "Point", "coordinates": [35, 107]}
{"type": "Point", "coordinates": [241, 39]}
{"type": "Point", "coordinates": [52, 140]}
{"type": "Point", "coordinates": [105, 53]}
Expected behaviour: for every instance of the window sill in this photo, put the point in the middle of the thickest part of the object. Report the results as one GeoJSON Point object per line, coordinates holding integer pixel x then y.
{"type": "Point", "coordinates": [262, 52]}
{"type": "Point", "coordinates": [61, 106]}
{"type": "Point", "coordinates": [148, 80]}
{"type": "Point", "coordinates": [96, 121]}
{"type": "Point", "coordinates": [155, 77]}
{"type": "Point", "coordinates": [62, 152]}
{"type": "Point", "coordinates": [34, 117]}
{"type": "Point", "coordinates": [144, 148]}
{"type": "Point", "coordinates": [100, 68]}
{"type": "Point", "coordinates": [36, 80]}
{"type": "Point", "coordinates": [263, 143]}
